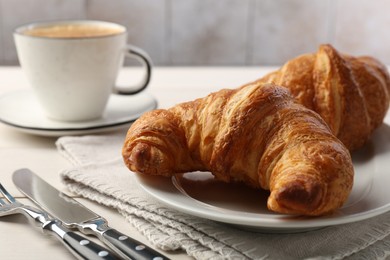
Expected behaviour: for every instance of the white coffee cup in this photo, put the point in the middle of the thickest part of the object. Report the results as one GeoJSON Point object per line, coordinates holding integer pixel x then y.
{"type": "Point", "coordinates": [73, 65]}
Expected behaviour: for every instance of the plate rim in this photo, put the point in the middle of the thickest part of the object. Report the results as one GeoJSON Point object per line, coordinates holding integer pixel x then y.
{"type": "Point", "coordinates": [275, 221]}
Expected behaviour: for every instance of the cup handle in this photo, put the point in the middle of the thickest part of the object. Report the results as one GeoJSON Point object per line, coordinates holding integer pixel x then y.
{"type": "Point", "coordinates": [135, 52]}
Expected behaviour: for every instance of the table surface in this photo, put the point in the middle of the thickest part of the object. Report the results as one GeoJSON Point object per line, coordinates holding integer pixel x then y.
{"type": "Point", "coordinates": [169, 85]}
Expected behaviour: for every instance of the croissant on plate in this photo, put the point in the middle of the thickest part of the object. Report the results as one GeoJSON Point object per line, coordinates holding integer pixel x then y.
{"type": "Point", "coordinates": [350, 93]}
{"type": "Point", "coordinates": [256, 134]}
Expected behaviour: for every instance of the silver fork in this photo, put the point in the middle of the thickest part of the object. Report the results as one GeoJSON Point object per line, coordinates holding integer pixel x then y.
{"type": "Point", "coordinates": [80, 246]}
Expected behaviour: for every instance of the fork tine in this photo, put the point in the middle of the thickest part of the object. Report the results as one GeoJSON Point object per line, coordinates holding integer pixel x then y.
{"type": "Point", "coordinates": [2, 203]}
{"type": "Point", "coordinates": [8, 196]}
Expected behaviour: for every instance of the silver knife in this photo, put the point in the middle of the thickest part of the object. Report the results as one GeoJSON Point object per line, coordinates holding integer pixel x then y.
{"type": "Point", "coordinates": [74, 215]}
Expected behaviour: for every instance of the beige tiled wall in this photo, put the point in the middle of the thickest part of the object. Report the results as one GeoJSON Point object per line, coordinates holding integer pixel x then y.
{"type": "Point", "coordinates": [208, 32]}
{"type": "Point", "coordinates": [286, 28]}
{"type": "Point", "coordinates": [364, 27]}
{"type": "Point", "coordinates": [219, 32]}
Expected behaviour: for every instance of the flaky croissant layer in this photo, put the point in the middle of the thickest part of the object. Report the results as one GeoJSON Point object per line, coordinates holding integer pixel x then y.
{"type": "Point", "coordinates": [350, 93]}
{"type": "Point", "coordinates": [256, 134]}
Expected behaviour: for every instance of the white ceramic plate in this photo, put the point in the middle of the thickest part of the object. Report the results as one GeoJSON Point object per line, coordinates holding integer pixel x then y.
{"type": "Point", "coordinates": [21, 110]}
{"type": "Point", "coordinates": [200, 195]}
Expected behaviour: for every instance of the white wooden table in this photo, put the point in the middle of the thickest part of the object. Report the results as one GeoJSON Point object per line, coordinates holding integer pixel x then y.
{"type": "Point", "coordinates": [169, 85]}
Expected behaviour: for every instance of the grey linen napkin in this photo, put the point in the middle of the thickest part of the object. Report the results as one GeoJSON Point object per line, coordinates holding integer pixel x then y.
{"type": "Point", "coordinates": [100, 175]}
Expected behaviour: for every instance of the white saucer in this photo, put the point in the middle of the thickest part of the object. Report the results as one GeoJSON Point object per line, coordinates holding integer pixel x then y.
{"type": "Point", "coordinates": [21, 110]}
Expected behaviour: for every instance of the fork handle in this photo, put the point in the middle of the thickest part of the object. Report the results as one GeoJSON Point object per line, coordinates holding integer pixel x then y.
{"type": "Point", "coordinates": [80, 246]}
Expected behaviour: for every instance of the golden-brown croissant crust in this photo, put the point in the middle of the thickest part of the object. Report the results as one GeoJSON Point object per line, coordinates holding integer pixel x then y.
{"type": "Point", "coordinates": [350, 93]}
{"type": "Point", "coordinates": [256, 134]}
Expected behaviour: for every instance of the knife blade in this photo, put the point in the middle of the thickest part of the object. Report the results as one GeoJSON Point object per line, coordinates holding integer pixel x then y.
{"type": "Point", "coordinates": [76, 216]}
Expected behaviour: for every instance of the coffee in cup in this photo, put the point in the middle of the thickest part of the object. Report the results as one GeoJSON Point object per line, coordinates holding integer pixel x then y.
{"type": "Point", "coordinates": [73, 65]}
{"type": "Point", "coordinates": [72, 31]}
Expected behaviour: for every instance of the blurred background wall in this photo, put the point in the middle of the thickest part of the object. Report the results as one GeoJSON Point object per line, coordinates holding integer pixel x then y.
{"type": "Point", "coordinates": [219, 32]}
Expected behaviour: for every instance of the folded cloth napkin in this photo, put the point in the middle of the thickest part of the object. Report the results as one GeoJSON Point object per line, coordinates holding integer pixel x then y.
{"type": "Point", "coordinates": [100, 175]}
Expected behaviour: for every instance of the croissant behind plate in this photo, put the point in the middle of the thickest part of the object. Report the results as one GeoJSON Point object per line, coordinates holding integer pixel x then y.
{"type": "Point", "coordinates": [350, 93]}
{"type": "Point", "coordinates": [257, 135]}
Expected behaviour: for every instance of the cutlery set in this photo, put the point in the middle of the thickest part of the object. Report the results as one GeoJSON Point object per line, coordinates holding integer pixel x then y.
{"type": "Point", "coordinates": [61, 215]}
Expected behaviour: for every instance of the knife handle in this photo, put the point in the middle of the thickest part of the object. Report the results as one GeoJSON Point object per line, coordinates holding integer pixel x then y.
{"type": "Point", "coordinates": [86, 248]}
{"type": "Point", "coordinates": [80, 246]}
{"type": "Point", "coordinates": [130, 247]}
